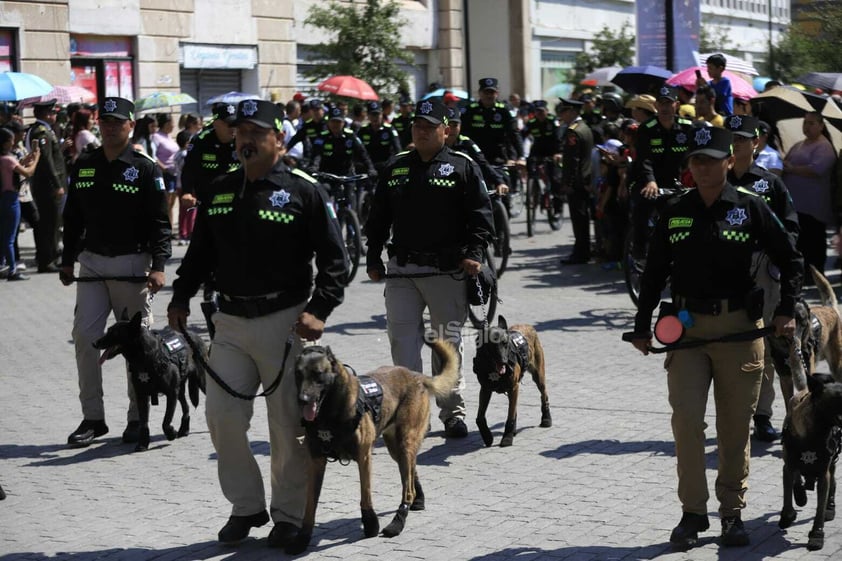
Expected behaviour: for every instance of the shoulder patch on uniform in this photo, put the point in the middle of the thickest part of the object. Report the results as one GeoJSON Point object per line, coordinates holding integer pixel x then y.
{"type": "Point", "coordinates": [462, 154]}
{"type": "Point", "coordinates": [745, 191]}
{"type": "Point", "coordinates": [303, 175]}
{"type": "Point", "coordinates": [144, 154]}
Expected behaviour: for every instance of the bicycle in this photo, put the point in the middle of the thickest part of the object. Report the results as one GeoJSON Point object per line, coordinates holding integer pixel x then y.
{"type": "Point", "coordinates": [343, 201]}
{"type": "Point", "coordinates": [500, 248]}
{"type": "Point", "coordinates": [482, 315]}
{"type": "Point", "coordinates": [539, 195]}
{"type": "Point", "coordinates": [633, 267]}
{"type": "Point", "coordinates": [515, 198]}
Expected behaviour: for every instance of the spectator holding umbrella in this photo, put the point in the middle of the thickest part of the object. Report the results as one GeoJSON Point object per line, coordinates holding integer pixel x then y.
{"type": "Point", "coordinates": [720, 83]}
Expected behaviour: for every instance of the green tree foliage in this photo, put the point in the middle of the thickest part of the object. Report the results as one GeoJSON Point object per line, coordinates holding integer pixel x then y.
{"type": "Point", "coordinates": [365, 43]}
{"type": "Point", "coordinates": [811, 46]}
{"type": "Point", "coordinates": [609, 49]}
{"type": "Point", "coordinates": [714, 39]}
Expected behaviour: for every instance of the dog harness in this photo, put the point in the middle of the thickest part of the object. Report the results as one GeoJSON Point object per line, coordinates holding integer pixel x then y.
{"type": "Point", "coordinates": [331, 437]}
{"type": "Point", "coordinates": [814, 455]}
{"type": "Point", "coordinates": [515, 354]}
{"type": "Point", "coordinates": [177, 353]}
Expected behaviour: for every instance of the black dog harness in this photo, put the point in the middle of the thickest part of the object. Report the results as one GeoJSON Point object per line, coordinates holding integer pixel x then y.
{"type": "Point", "coordinates": [176, 352]}
{"type": "Point", "coordinates": [516, 353]}
{"type": "Point", "coordinates": [331, 437]}
{"type": "Point", "coordinates": [811, 456]}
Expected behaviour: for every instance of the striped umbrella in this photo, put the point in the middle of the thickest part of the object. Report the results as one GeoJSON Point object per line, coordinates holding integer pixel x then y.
{"type": "Point", "coordinates": [64, 95]}
{"type": "Point", "coordinates": [732, 63]}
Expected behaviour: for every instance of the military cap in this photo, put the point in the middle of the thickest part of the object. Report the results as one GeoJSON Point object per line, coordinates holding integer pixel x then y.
{"type": "Point", "coordinates": [225, 111]}
{"type": "Point", "coordinates": [488, 84]}
{"type": "Point", "coordinates": [570, 103]}
{"type": "Point", "coordinates": [45, 105]}
{"type": "Point", "coordinates": [540, 104]}
{"type": "Point", "coordinates": [431, 110]}
{"type": "Point", "coordinates": [454, 115]}
{"type": "Point", "coordinates": [715, 142]}
{"type": "Point", "coordinates": [742, 125]}
{"type": "Point", "coordinates": [336, 114]}
{"type": "Point", "coordinates": [118, 107]}
{"type": "Point", "coordinates": [260, 112]}
{"type": "Point", "coordinates": [668, 92]}
{"type": "Point", "coordinates": [373, 107]}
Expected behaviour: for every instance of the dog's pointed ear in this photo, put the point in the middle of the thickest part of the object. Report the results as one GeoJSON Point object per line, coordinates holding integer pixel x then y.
{"type": "Point", "coordinates": [501, 322]}
{"type": "Point", "coordinates": [125, 315]}
{"type": "Point", "coordinates": [137, 319]}
{"type": "Point", "coordinates": [330, 357]}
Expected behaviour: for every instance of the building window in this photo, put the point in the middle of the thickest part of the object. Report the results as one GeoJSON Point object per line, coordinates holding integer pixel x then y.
{"type": "Point", "coordinates": [8, 52]}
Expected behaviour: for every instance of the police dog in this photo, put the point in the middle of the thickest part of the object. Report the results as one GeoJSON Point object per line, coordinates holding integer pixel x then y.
{"type": "Point", "coordinates": [159, 362]}
{"type": "Point", "coordinates": [503, 354]}
{"type": "Point", "coordinates": [343, 416]}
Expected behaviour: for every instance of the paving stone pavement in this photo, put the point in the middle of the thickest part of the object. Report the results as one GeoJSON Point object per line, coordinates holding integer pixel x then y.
{"type": "Point", "coordinates": [598, 485]}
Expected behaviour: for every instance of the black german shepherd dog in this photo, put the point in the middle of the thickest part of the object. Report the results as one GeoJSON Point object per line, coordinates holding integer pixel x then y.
{"type": "Point", "coordinates": [159, 362]}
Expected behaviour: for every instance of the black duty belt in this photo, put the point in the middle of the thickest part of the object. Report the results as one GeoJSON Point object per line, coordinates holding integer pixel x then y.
{"type": "Point", "coordinates": [421, 258]}
{"type": "Point", "coordinates": [710, 306]}
{"type": "Point", "coordinates": [113, 251]}
{"type": "Point", "coordinates": [255, 307]}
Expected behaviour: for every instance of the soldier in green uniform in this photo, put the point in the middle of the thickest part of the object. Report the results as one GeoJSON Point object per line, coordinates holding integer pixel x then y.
{"type": "Point", "coordinates": [577, 145]}
{"type": "Point", "coordinates": [116, 224]}
{"type": "Point", "coordinates": [47, 184]}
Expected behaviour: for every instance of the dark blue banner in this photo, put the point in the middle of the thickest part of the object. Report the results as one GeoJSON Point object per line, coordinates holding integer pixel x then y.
{"type": "Point", "coordinates": [652, 33]}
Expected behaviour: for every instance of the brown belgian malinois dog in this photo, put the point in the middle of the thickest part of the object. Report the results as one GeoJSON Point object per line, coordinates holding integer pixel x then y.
{"type": "Point", "coordinates": [343, 416]}
{"type": "Point", "coordinates": [504, 355]}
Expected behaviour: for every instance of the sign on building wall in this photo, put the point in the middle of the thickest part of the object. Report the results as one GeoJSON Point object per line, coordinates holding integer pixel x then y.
{"type": "Point", "coordinates": [655, 31]}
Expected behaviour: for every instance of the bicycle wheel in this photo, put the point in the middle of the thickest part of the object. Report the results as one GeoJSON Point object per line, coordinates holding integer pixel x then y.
{"type": "Point", "coordinates": [533, 202]}
{"type": "Point", "coordinates": [516, 196]}
{"type": "Point", "coordinates": [480, 316]}
{"type": "Point", "coordinates": [632, 269]}
{"type": "Point", "coordinates": [349, 225]}
{"type": "Point", "coordinates": [365, 201]}
{"type": "Point", "coordinates": [501, 248]}
{"type": "Point", "coordinates": [555, 218]}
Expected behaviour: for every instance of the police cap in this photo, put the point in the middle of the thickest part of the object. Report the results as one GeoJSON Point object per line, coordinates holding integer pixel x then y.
{"type": "Point", "coordinates": [540, 105]}
{"type": "Point", "coordinates": [431, 110]}
{"type": "Point", "coordinates": [260, 112]}
{"type": "Point", "coordinates": [488, 84]}
{"type": "Point", "coordinates": [454, 115]}
{"type": "Point", "coordinates": [743, 125]}
{"type": "Point", "coordinates": [373, 107]}
{"type": "Point", "coordinates": [225, 111]}
{"type": "Point", "coordinates": [315, 103]}
{"type": "Point", "coordinates": [336, 114]}
{"type": "Point", "coordinates": [668, 92]}
{"type": "Point", "coordinates": [118, 107]}
{"type": "Point", "coordinates": [715, 142]}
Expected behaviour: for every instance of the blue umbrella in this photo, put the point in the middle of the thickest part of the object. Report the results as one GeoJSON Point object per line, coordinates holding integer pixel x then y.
{"type": "Point", "coordinates": [759, 82]}
{"type": "Point", "coordinates": [641, 79]}
{"type": "Point", "coordinates": [461, 94]}
{"type": "Point", "coordinates": [15, 86]}
{"type": "Point", "coordinates": [231, 97]}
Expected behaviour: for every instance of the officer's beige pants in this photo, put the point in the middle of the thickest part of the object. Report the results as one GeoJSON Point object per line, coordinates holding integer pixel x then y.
{"type": "Point", "coordinates": [735, 370]}
{"type": "Point", "coordinates": [247, 354]}
{"type": "Point", "coordinates": [771, 297]}
{"type": "Point", "coordinates": [406, 300]}
{"type": "Point", "coordinates": [94, 301]}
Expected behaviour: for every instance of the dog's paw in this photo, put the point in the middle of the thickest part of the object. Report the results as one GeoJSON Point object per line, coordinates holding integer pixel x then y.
{"type": "Point", "coordinates": [546, 421]}
{"type": "Point", "coordinates": [787, 518]}
{"type": "Point", "coordinates": [507, 440]}
{"type": "Point", "coordinates": [141, 447]}
{"type": "Point", "coordinates": [395, 527]}
{"type": "Point", "coordinates": [815, 540]}
{"type": "Point", "coordinates": [299, 544]}
{"type": "Point", "coordinates": [184, 428]}
{"type": "Point", "coordinates": [799, 494]}
{"type": "Point", "coordinates": [170, 432]}
{"type": "Point", "coordinates": [485, 433]}
{"type": "Point", "coordinates": [371, 525]}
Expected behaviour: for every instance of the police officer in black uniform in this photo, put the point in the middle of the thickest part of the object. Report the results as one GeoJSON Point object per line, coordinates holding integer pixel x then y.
{"type": "Point", "coordinates": [434, 203]}
{"type": "Point", "coordinates": [403, 122]}
{"type": "Point", "coordinates": [271, 221]}
{"type": "Point", "coordinates": [490, 124]}
{"type": "Point", "coordinates": [546, 150]}
{"type": "Point", "coordinates": [116, 224]}
{"type": "Point", "coordinates": [746, 176]}
{"type": "Point", "coordinates": [210, 154]}
{"type": "Point", "coordinates": [461, 143]}
{"type": "Point", "coordinates": [337, 148]}
{"type": "Point", "coordinates": [661, 145]}
{"type": "Point", "coordinates": [704, 243]}
{"type": "Point", "coordinates": [577, 145]}
{"type": "Point", "coordinates": [47, 184]}
{"type": "Point", "coordinates": [379, 138]}
{"type": "Point", "coordinates": [310, 129]}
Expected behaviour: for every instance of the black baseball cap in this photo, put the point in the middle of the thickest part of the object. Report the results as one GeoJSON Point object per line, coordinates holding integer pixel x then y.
{"type": "Point", "coordinates": [225, 111]}
{"type": "Point", "coordinates": [488, 84]}
{"type": "Point", "coordinates": [539, 104]}
{"type": "Point", "coordinates": [454, 115]}
{"type": "Point", "coordinates": [118, 107]}
{"type": "Point", "coordinates": [716, 142]}
{"type": "Point", "coordinates": [431, 110]}
{"type": "Point", "coordinates": [743, 125]}
{"type": "Point", "coordinates": [374, 107]}
{"type": "Point", "coordinates": [336, 114]}
{"type": "Point", "coordinates": [667, 92]}
{"type": "Point", "coordinates": [260, 112]}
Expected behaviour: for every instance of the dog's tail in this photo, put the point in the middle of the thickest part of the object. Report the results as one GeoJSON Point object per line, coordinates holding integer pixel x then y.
{"type": "Point", "coordinates": [826, 293]}
{"type": "Point", "coordinates": [443, 384]}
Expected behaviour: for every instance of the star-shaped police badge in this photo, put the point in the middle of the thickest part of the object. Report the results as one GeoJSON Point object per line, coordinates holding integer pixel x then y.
{"type": "Point", "coordinates": [131, 174]}
{"type": "Point", "coordinates": [279, 198]}
{"type": "Point", "coordinates": [143, 377]}
{"type": "Point", "coordinates": [736, 122]}
{"type": "Point", "coordinates": [736, 216]}
{"type": "Point", "coordinates": [702, 136]}
{"type": "Point", "coordinates": [426, 107]}
{"type": "Point", "coordinates": [249, 107]}
{"type": "Point", "coordinates": [665, 91]}
{"type": "Point", "coordinates": [325, 435]}
{"type": "Point", "coordinates": [809, 457]}
{"type": "Point", "coordinates": [681, 138]}
{"type": "Point", "coordinates": [109, 106]}
{"type": "Point", "coordinates": [760, 186]}
{"type": "Point", "coordinates": [446, 169]}
{"type": "Point", "coordinates": [231, 110]}
{"type": "Point", "coordinates": [489, 81]}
